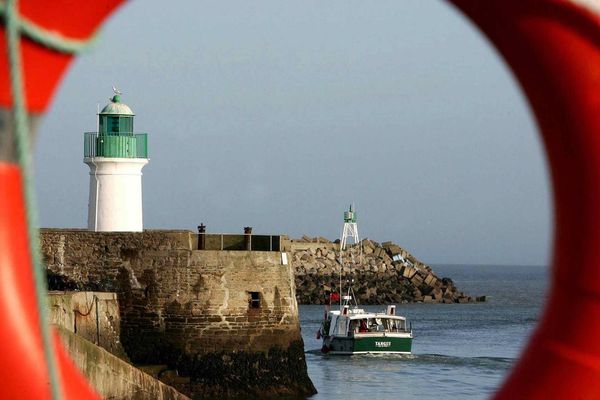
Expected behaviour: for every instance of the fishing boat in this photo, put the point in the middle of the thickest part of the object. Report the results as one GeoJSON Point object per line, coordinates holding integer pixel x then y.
{"type": "Point", "coordinates": [352, 330]}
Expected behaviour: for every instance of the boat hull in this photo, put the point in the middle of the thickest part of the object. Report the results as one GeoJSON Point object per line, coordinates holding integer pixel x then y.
{"type": "Point", "coordinates": [369, 345]}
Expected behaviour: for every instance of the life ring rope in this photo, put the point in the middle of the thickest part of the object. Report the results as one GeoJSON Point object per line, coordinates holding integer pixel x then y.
{"type": "Point", "coordinates": [47, 38]}
{"type": "Point", "coordinates": [22, 147]}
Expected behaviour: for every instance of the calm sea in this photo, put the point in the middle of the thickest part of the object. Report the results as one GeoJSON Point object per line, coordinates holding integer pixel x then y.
{"type": "Point", "coordinates": [460, 351]}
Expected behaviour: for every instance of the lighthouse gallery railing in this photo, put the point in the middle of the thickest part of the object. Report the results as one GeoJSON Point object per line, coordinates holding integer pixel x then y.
{"type": "Point", "coordinates": [123, 145]}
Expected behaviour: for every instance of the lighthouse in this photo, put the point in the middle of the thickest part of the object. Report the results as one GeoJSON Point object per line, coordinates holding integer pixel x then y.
{"type": "Point", "coordinates": [116, 156]}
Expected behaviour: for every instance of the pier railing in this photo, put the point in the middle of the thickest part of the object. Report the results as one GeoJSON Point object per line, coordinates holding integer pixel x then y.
{"type": "Point", "coordinates": [123, 145]}
{"type": "Point", "coordinates": [219, 241]}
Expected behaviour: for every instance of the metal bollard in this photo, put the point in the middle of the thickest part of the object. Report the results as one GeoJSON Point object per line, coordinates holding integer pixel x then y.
{"type": "Point", "coordinates": [201, 236]}
{"type": "Point", "coordinates": [248, 238]}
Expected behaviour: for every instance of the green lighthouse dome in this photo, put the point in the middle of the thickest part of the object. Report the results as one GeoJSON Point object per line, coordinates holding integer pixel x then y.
{"type": "Point", "coordinates": [116, 107]}
{"type": "Point", "coordinates": [116, 118]}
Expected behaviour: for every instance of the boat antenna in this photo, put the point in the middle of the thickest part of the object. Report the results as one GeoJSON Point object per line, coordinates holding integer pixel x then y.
{"type": "Point", "coordinates": [350, 230]}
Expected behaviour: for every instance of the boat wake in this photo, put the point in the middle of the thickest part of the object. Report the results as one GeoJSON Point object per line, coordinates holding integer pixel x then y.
{"type": "Point", "coordinates": [437, 359]}
{"type": "Point", "coordinates": [475, 362]}
{"type": "Point", "coordinates": [373, 355]}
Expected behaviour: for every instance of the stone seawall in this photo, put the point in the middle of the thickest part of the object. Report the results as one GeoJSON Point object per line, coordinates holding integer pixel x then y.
{"type": "Point", "coordinates": [92, 315]}
{"type": "Point", "coordinates": [112, 377]}
{"type": "Point", "coordinates": [214, 316]}
{"type": "Point", "coordinates": [381, 273]}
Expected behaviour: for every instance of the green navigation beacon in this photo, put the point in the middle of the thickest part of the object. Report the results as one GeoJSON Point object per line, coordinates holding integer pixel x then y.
{"type": "Point", "coordinates": [350, 229]}
{"type": "Point", "coordinates": [350, 215]}
{"type": "Point", "coordinates": [115, 137]}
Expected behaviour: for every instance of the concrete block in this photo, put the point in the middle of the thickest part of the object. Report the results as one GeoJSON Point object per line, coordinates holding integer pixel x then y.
{"type": "Point", "coordinates": [430, 279]}
{"type": "Point", "coordinates": [394, 249]}
{"type": "Point", "coordinates": [417, 279]}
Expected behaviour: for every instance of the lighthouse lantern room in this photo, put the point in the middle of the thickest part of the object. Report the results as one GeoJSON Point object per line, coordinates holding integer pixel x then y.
{"type": "Point", "coordinates": [116, 156]}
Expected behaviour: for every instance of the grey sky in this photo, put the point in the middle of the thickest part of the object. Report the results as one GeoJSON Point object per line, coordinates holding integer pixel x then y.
{"type": "Point", "coordinates": [279, 114]}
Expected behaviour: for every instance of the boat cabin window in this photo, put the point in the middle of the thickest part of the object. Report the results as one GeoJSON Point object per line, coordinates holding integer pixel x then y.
{"type": "Point", "coordinates": [394, 325]}
{"type": "Point", "coordinates": [254, 299]}
{"type": "Point", "coordinates": [376, 325]}
{"type": "Point", "coordinates": [389, 325]}
{"type": "Point", "coordinates": [366, 325]}
{"type": "Point", "coordinates": [353, 327]}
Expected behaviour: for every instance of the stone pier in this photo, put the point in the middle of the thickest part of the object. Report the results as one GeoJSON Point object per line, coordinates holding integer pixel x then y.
{"type": "Point", "coordinates": [225, 319]}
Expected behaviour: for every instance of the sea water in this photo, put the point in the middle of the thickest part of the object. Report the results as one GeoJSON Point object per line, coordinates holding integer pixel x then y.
{"type": "Point", "coordinates": [460, 351]}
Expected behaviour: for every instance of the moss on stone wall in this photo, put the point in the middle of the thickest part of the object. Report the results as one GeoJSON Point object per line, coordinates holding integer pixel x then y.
{"type": "Point", "coordinates": [276, 372]}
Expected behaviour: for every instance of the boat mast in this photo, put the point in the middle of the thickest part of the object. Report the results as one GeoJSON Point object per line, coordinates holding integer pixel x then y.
{"type": "Point", "coordinates": [350, 230]}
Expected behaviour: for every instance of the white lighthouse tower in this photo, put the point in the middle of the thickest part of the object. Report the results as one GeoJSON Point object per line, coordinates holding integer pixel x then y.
{"type": "Point", "coordinates": [116, 157]}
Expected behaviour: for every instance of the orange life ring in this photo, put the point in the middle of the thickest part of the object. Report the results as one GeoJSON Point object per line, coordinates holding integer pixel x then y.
{"type": "Point", "coordinates": [24, 373]}
{"type": "Point", "coordinates": [553, 48]}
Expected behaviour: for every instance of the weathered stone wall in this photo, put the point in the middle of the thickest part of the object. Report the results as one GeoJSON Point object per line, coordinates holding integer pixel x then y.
{"type": "Point", "coordinates": [91, 315]}
{"type": "Point", "coordinates": [112, 377]}
{"type": "Point", "coordinates": [184, 307]}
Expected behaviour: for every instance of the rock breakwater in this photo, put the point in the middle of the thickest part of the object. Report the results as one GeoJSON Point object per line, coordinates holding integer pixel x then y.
{"type": "Point", "coordinates": [379, 273]}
